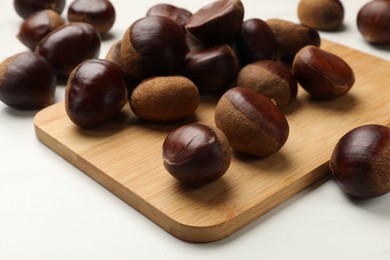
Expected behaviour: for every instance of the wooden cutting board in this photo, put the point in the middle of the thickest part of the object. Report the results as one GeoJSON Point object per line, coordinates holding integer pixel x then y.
{"type": "Point", "coordinates": [124, 155]}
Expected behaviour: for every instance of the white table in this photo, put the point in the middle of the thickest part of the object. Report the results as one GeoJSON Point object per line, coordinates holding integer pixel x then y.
{"type": "Point", "coordinates": [51, 210]}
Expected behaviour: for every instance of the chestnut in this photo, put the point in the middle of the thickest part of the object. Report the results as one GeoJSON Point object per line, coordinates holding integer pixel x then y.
{"type": "Point", "coordinates": [212, 69]}
{"type": "Point", "coordinates": [153, 46]}
{"type": "Point", "coordinates": [95, 92]}
{"type": "Point", "coordinates": [271, 79]}
{"type": "Point", "coordinates": [321, 14]}
{"type": "Point", "coordinates": [196, 154]}
{"type": "Point", "coordinates": [179, 15]}
{"type": "Point", "coordinates": [217, 22]}
{"type": "Point", "coordinates": [291, 37]}
{"type": "Point", "coordinates": [63, 49]}
{"type": "Point", "coordinates": [373, 22]}
{"type": "Point", "coordinates": [37, 26]}
{"type": "Point", "coordinates": [255, 41]}
{"type": "Point", "coordinates": [360, 161]}
{"type": "Point", "coordinates": [164, 98]}
{"type": "Point", "coordinates": [25, 8]}
{"type": "Point", "coordinates": [252, 123]}
{"type": "Point", "coordinates": [99, 13]}
{"type": "Point", "coordinates": [27, 81]}
{"type": "Point", "coordinates": [322, 74]}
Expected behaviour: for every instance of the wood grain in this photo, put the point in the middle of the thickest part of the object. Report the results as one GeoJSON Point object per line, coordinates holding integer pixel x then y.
{"type": "Point", "coordinates": [124, 155]}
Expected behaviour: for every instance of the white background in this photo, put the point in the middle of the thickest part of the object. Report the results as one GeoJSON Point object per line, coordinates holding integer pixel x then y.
{"type": "Point", "coordinates": [51, 210]}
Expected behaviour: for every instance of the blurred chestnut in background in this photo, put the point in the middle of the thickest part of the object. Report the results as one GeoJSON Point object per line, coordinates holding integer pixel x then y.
{"type": "Point", "coordinates": [69, 45]}
{"type": "Point", "coordinates": [95, 92]}
{"type": "Point", "coordinates": [270, 79]}
{"type": "Point", "coordinates": [177, 14]}
{"type": "Point", "coordinates": [99, 13]}
{"type": "Point", "coordinates": [25, 8]}
{"type": "Point", "coordinates": [196, 154]}
{"type": "Point", "coordinates": [255, 41]}
{"type": "Point", "coordinates": [373, 22]}
{"type": "Point", "coordinates": [322, 74]}
{"type": "Point", "coordinates": [217, 22]}
{"type": "Point", "coordinates": [27, 81]}
{"type": "Point", "coordinates": [37, 26]}
{"type": "Point", "coordinates": [291, 37]}
{"type": "Point", "coordinates": [321, 14]}
{"type": "Point", "coordinates": [212, 69]}
{"type": "Point", "coordinates": [360, 161]}
{"type": "Point", "coordinates": [153, 46]}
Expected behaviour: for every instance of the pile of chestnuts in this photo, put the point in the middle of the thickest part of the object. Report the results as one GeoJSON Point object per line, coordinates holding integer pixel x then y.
{"type": "Point", "coordinates": [167, 60]}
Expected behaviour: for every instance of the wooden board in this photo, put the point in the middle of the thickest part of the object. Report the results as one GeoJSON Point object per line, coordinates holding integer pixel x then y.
{"type": "Point", "coordinates": [124, 156]}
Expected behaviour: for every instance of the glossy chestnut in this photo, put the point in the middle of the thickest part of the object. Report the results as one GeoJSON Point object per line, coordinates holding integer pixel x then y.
{"type": "Point", "coordinates": [27, 81]}
{"type": "Point", "coordinates": [63, 49]}
{"type": "Point", "coordinates": [196, 154]}
{"type": "Point", "coordinates": [99, 13]}
{"type": "Point", "coordinates": [271, 79]}
{"type": "Point", "coordinates": [217, 22]}
{"type": "Point", "coordinates": [291, 37]}
{"type": "Point", "coordinates": [360, 161]}
{"type": "Point", "coordinates": [95, 92]}
{"type": "Point", "coordinates": [25, 8]}
{"type": "Point", "coordinates": [164, 98]}
{"type": "Point", "coordinates": [256, 41]}
{"type": "Point", "coordinates": [373, 22]}
{"type": "Point", "coordinates": [153, 46]}
{"type": "Point", "coordinates": [212, 69]}
{"type": "Point", "coordinates": [321, 14]}
{"type": "Point", "coordinates": [252, 123]}
{"type": "Point", "coordinates": [179, 15]}
{"type": "Point", "coordinates": [37, 26]}
{"type": "Point", "coordinates": [322, 74]}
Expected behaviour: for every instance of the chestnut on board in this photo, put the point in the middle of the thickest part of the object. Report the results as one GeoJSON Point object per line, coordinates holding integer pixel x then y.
{"type": "Point", "coordinates": [196, 154]}
{"type": "Point", "coordinates": [25, 8]}
{"type": "Point", "coordinates": [270, 79]}
{"type": "Point", "coordinates": [27, 81]}
{"type": "Point", "coordinates": [69, 45]}
{"type": "Point", "coordinates": [360, 161]}
{"type": "Point", "coordinates": [95, 92]}
{"type": "Point", "coordinates": [153, 46]}
{"type": "Point", "coordinates": [373, 22]}
{"type": "Point", "coordinates": [37, 26]}
{"type": "Point", "coordinates": [322, 74]}
{"type": "Point", "coordinates": [252, 123]}
{"type": "Point", "coordinates": [217, 22]}
{"type": "Point", "coordinates": [99, 13]}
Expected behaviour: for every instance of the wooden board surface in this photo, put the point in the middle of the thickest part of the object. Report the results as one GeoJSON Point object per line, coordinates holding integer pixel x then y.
{"type": "Point", "coordinates": [124, 155]}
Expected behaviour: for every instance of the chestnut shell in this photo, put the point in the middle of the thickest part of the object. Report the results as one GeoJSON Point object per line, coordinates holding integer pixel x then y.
{"type": "Point", "coordinates": [24, 8]}
{"type": "Point", "coordinates": [360, 161]}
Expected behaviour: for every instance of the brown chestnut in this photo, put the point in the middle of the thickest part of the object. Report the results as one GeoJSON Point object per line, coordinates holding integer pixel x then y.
{"type": "Point", "coordinates": [360, 161]}
{"type": "Point", "coordinates": [25, 8]}
{"type": "Point", "coordinates": [212, 69]}
{"type": "Point", "coordinates": [95, 92]}
{"type": "Point", "coordinates": [373, 22]}
{"type": "Point", "coordinates": [217, 22]}
{"type": "Point", "coordinates": [322, 74]}
{"type": "Point", "coordinates": [99, 13]}
{"type": "Point", "coordinates": [321, 14]}
{"type": "Point", "coordinates": [27, 81]}
{"type": "Point", "coordinates": [153, 46]}
{"type": "Point", "coordinates": [256, 41]}
{"type": "Point", "coordinates": [37, 26]}
{"type": "Point", "coordinates": [271, 79]}
{"type": "Point", "coordinates": [164, 98]}
{"type": "Point", "coordinates": [63, 49]}
{"type": "Point", "coordinates": [196, 154]}
{"type": "Point", "coordinates": [252, 123]}
{"type": "Point", "coordinates": [291, 37]}
{"type": "Point", "coordinates": [179, 15]}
